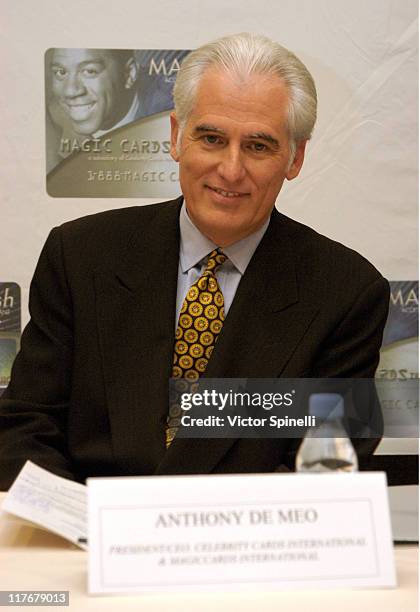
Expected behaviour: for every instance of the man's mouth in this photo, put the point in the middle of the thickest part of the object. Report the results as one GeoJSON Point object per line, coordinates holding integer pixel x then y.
{"type": "Point", "coordinates": [227, 194]}
{"type": "Point", "coordinates": [79, 112]}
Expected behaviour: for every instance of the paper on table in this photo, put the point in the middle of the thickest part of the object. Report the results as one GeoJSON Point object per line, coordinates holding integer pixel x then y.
{"type": "Point", "coordinates": [50, 501]}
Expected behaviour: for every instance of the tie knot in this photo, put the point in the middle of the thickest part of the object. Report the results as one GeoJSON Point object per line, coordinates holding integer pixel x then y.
{"type": "Point", "coordinates": [216, 259]}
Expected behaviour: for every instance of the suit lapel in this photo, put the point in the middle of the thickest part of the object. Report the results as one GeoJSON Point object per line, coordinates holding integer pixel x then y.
{"type": "Point", "coordinates": [260, 331]}
{"type": "Point", "coordinates": [265, 324]}
{"type": "Point", "coordinates": [135, 313]}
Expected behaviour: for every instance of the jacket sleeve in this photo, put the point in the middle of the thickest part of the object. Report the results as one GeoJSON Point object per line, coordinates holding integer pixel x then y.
{"type": "Point", "coordinates": [352, 352]}
{"type": "Point", "coordinates": [33, 409]}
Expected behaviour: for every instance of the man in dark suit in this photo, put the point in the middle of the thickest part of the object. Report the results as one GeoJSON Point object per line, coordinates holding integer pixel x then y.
{"type": "Point", "coordinates": [89, 389]}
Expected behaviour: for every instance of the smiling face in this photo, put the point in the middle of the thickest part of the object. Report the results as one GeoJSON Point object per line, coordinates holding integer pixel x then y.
{"type": "Point", "coordinates": [91, 87]}
{"type": "Point", "coordinates": [234, 154]}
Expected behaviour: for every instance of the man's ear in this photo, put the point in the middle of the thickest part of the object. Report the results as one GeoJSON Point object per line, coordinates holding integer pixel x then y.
{"type": "Point", "coordinates": [174, 137]}
{"type": "Point", "coordinates": [131, 72]}
{"type": "Point", "coordinates": [297, 163]}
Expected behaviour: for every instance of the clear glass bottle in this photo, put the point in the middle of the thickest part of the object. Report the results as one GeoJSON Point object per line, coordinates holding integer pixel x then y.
{"type": "Point", "coordinates": [326, 447]}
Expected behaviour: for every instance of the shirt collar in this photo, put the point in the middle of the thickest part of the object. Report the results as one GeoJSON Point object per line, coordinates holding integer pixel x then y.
{"type": "Point", "coordinates": [194, 246]}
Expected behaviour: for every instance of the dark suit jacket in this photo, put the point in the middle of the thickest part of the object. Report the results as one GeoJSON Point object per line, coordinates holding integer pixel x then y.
{"type": "Point", "coordinates": [89, 388]}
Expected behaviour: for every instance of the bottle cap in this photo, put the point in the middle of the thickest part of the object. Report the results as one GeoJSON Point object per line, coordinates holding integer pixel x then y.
{"type": "Point", "coordinates": [326, 406]}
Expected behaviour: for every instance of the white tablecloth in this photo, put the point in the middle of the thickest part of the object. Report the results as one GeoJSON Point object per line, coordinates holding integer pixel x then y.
{"type": "Point", "coordinates": [33, 559]}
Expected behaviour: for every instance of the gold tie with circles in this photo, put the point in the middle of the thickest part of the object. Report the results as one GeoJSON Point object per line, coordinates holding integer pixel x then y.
{"type": "Point", "coordinates": [199, 325]}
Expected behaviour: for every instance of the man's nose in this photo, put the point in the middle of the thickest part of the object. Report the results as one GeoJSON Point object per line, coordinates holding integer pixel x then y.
{"type": "Point", "coordinates": [74, 86]}
{"type": "Point", "coordinates": [231, 166]}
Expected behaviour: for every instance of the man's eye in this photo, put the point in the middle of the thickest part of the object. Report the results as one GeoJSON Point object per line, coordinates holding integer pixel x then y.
{"type": "Point", "coordinates": [90, 72]}
{"type": "Point", "coordinates": [211, 139]}
{"type": "Point", "coordinates": [259, 147]}
{"type": "Point", "coordinates": [59, 73]}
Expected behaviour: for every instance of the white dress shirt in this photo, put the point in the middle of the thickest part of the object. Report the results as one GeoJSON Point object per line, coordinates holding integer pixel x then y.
{"type": "Point", "coordinates": [193, 250]}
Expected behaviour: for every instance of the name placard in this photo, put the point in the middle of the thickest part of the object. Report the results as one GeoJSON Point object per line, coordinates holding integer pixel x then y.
{"type": "Point", "coordinates": [267, 531]}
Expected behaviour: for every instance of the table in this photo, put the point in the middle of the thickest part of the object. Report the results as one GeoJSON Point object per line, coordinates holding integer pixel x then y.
{"type": "Point", "coordinates": [33, 559]}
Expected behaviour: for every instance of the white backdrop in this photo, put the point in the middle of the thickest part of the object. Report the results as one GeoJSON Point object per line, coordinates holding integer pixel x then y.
{"type": "Point", "coordinates": [359, 183]}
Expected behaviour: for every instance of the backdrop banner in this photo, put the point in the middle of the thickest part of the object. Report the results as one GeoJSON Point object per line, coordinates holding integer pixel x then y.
{"type": "Point", "coordinates": [9, 329]}
{"type": "Point", "coordinates": [400, 345]}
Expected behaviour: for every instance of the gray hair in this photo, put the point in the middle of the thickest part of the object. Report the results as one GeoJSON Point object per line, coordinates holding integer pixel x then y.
{"type": "Point", "coordinates": [244, 55]}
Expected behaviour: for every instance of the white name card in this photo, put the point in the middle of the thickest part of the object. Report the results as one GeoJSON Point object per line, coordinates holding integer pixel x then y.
{"type": "Point", "coordinates": [269, 531]}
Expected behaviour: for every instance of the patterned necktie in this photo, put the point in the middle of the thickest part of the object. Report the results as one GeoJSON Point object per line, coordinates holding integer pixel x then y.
{"type": "Point", "coordinates": [199, 325]}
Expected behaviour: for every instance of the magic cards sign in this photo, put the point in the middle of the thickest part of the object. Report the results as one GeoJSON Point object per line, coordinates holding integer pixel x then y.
{"type": "Point", "coordinates": [107, 122]}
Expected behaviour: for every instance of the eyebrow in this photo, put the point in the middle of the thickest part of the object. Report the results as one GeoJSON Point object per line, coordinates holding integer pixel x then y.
{"type": "Point", "coordinates": [80, 64]}
{"type": "Point", "coordinates": [263, 136]}
{"type": "Point", "coordinates": [205, 127]}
